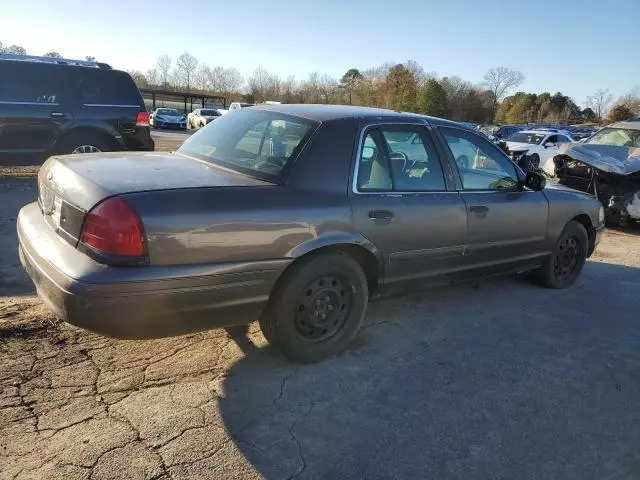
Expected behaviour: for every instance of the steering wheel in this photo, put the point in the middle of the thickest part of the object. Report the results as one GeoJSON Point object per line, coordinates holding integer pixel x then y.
{"type": "Point", "coordinates": [462, 161]}
{"type": "Point", "coordinates": [400, 156]}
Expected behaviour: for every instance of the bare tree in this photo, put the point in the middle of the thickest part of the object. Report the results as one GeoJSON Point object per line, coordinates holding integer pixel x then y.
{"type": "Point", "coordinates": [152, 76]}
{"type": "Point", "coordinates": [186, 66]}
{"type": "Point", "coordinates": [139, 78]}
{"type": "Point", "coordinates": [499, 81]}
{"type": "Point", "coordinates": [53, 55]}
{"type": "Point", "coordinates": [631, 100]}
{"type": "Point", "coordinates": [230, 81]}
{"type": "Point", "coordinates": [16, 50]}
{"type": "Point", "coordinates": [201, 77]}
{"type": "Point", "coordinates": [600, 102]}
{"type": "Point", "coordinates": [263, 85]}
{"type": "Point", "coordinates": [1, 49]}
{"type": "Point", "coordinates": [164, 67]}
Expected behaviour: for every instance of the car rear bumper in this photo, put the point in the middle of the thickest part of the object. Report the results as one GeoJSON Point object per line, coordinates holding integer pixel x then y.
{"type": "Point", "coordinates": [139, 302]}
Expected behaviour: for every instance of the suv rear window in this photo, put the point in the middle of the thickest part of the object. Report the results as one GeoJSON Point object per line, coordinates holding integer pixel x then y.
{"type": "Point", "coordinates": [108, 87]}
{"type": "Point", "coordinates": [255, 142]}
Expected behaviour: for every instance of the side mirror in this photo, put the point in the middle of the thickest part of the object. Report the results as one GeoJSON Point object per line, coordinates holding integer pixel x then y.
{"type": "Point", "coordinates": [535, 181]}
{"type": "Point", "coordinates": [368, 153]}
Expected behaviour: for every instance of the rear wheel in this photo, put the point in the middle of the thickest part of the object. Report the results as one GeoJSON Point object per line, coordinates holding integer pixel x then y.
{"type": "Point", "coordinates": [564, 265]}
{"type": "Point", "coordinates": [318, 308]}
{"type": "Point", "coordinates": [84, 144]}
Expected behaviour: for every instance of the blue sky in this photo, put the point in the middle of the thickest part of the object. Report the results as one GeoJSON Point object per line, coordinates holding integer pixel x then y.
{"type": "Point", "coordinates": [572, 46]}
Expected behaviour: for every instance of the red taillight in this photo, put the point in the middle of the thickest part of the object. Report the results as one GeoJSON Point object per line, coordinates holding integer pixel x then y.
{"type": "Point", "coordinates": [113, 228]}
{"type": "Point", "coordinates": [142, 120]}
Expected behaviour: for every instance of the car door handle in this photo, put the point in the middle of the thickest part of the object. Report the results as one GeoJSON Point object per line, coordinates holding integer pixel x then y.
{"type": "Point", "coordinates": [56, 115]}
{"type": "Point", "coordinates": [381, 215]}
{"type": "Point", "coordinates": [479, 210]}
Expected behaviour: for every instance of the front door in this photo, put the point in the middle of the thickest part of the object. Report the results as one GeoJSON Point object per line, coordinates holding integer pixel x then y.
{"type": "Point", "coordinates": [405, 204]}
{"type": "Point", "coordinates": [31, 97]}
{"type": "Point", "coordinates": [505, 222]}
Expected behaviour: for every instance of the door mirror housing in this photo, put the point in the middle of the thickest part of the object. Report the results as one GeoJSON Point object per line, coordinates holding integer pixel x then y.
{"type": "Point", "coordinates": [535, 181]}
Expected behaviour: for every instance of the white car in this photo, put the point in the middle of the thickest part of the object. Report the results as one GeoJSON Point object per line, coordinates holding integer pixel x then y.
{"type": "Point", "coordinates": [239, 105]}
{"type": "Point", "coordinates": [201, 116]}
{"type": "Point", "coordinates": [537, 148]}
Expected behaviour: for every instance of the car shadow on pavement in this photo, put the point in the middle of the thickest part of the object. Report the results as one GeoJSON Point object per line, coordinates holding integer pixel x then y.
{"type": "Point", "coordinates": [499, 379]}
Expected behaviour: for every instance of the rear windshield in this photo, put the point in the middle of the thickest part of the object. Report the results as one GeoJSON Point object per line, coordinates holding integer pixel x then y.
{"type": "Point", "coordinates": [621, 137]}
{"type": "Point", "coordinates": [258, 143]}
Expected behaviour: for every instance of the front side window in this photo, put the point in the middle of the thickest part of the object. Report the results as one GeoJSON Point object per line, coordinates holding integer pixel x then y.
{"type": "Point", "coordinates": [254, 142]}
{"type": "Point", "coordinates": [481, 165]}
{"type": "Point", "coordinates": [32, 83]}
{"type": "Point", "coordinates": [401, 159]}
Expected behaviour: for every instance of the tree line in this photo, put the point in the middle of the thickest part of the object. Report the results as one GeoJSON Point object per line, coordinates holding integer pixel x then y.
{"type": "Point", "coordinates": [400, 86]}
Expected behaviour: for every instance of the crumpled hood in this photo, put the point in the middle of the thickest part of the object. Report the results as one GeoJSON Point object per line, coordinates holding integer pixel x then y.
{"type": "Point", "coordinates": [608, 158]}
{"type": "Point", "coordinates": [517, 146]}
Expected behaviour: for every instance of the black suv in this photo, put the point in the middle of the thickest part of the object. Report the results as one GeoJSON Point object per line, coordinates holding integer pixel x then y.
{"type": "Point", "coordinates": [55, 106]}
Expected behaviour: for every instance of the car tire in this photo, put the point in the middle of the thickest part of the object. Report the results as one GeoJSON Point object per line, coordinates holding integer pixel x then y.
{"type": "Point", "coordinates": [88, 143]}
{"type": "Point", "coordinates": [530, 163]}
{"type": "Point", "coordinates": [317, 309]}
{"type": "Point", "coordinates": [562, 268]}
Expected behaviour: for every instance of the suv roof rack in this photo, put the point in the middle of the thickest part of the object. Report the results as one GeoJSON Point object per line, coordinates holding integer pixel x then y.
{"type": "Point", "coordinates": [59, 61]}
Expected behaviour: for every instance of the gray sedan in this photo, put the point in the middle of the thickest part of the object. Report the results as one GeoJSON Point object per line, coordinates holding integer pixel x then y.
{"type": "Point", "coordinates": [295, 215]}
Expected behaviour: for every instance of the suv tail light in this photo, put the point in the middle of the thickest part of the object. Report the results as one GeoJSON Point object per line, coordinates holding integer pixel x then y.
{"type": "Point", "coordinates": [142, 120]}
{"type": "Point", "coordinates": [112, 228]}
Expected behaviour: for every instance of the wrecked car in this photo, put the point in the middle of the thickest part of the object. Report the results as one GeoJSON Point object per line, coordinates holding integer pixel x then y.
{"type": "Point", "coordinates": [607, 165]}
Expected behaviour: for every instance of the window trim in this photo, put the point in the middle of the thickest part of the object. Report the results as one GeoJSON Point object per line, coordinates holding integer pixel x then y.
{"type": "Point", "coordinates": [460, 186]}
{"type": "Point", "coordinates": [377, 126]}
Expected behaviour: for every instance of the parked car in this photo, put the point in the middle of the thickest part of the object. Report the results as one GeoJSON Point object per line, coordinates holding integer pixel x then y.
{"type": "Point", "coordinates": [54, 105]}
{"type": "Point", "coordinates": [505, 131]}
{"type": "Point", "coordinates": [201, 116]}
{"type": "Point", "coordinates": [239, 105]}
{"type": "Point", "coordinates": [295, 215]}
{"type": "Point", "coordinates": [167, 118]}
{"type": "Point", "coordinates": [534, 149]}
{"type": "Point", "coordinates": [606, 165]}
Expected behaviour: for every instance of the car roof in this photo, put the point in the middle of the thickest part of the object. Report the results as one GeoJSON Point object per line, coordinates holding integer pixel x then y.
{"type": "Point", "coordinates": [631, 125]}
{"type": "Point", "coordinates": [324, 113]}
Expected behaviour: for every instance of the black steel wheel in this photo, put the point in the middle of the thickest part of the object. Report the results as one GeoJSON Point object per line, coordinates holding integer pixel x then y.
{"type": "Point", "coordinates": [317, 307]}
{"type": "Point", "coordinates": [323, 308]}
{"type": "Point", "coordinates": [563, 267]}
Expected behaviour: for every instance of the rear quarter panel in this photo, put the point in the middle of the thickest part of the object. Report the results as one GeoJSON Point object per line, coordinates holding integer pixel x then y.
{"type": "Point", "coordinates": [309, 210]}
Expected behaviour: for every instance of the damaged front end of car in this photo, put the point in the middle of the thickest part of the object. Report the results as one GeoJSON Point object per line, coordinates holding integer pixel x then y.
{"type": "Point", "coordinates": [610, 173]}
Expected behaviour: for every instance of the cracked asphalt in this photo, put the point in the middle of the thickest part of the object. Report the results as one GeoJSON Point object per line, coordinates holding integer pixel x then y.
{"type": "Point", "coordinates": [497, 379]}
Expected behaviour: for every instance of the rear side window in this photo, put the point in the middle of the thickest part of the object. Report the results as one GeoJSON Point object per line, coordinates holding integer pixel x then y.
{"type": "Point", "coordinates": [31, 83]}
{"type": "Point", "coordinates": [107, 87]}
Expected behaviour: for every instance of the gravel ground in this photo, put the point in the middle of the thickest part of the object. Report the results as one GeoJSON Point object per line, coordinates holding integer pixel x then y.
{"type": "Point", "coordinates": [497, 379]}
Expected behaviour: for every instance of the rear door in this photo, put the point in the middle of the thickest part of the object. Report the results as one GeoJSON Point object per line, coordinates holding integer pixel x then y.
{"type": "Point", "coordinates": [402, 201]}
{"type": "Point", "coordinates": [506, 223]}
{"type": "Point", "coordinates": [33, 110]}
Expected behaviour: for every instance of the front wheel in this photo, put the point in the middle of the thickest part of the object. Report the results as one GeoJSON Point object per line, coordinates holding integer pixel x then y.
{"type": "Point", "coordinates": [317, 309]}
{"type": "Point", "coordinates": [564, 265]}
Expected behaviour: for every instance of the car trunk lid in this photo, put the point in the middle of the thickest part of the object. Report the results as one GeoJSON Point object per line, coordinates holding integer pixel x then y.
{"type": "Point", "coordinates": [70, 185]}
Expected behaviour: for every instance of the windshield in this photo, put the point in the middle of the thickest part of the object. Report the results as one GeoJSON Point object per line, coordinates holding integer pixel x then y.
{"type": "Point", "coordinates": [209, 113]}
{"type": "Point", "coordinates": [524, 137]}
{"type": "Point", "coordinates": [621, 137]}
{"type": "Point", "coordinates": [168, 111]}
{"type": "Point", "coordinates": [254, 142]}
